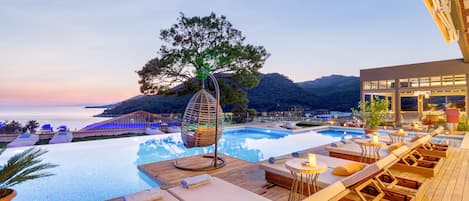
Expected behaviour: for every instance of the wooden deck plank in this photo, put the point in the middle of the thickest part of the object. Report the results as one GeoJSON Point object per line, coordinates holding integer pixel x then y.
{"type": "Point", "coordinates": [460, 183]}
{"type": "Point", "coordinates": [450, 187]}
{"type": "Point", "coordinates": [466, 181]}
{"type": "Point", "coordinates": [444, 181]}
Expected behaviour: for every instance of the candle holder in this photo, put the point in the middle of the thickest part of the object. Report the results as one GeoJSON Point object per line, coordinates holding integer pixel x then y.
{"type": "Point", "coordinates": [312, 160]}
{"type": "Point", "coordinates": [374, 139]}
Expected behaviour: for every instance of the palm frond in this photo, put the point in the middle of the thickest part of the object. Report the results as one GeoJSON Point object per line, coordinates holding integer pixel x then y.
{"type": "Point", "coordinates": [24, 166]}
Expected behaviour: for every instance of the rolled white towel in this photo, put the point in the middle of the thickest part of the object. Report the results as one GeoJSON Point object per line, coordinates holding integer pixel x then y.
{"type": "Point", "coordinates": [196, 181]}
{"type": "Point", "coordinates": [146, 195]}
{"type": "Point", "coordinates": [337, 144]}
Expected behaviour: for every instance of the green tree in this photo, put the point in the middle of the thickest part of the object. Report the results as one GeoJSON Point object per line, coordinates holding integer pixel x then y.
{"type": "Point", "coordinates": [11, 127]}
{"type": "Point", "coordinates": [208, 42]}
{"type": "Point", "coordinates": [22, 167]}
{"type": "Point", "coordinates": [372, 112]}
{"type": "Point", "coordinates": [32, 125]}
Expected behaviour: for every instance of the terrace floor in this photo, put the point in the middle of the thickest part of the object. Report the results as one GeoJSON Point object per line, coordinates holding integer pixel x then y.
{"type": "Point", "coordinates": [451, 182]}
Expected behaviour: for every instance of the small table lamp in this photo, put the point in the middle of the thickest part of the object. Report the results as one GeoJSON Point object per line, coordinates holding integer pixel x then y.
{"type": "Point", "coordinates": [312, 160]}
{"type": "Point", "coordinates": [374, 139]}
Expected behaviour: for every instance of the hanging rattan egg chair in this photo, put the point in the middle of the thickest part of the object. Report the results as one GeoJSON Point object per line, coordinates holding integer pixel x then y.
{"type": "Point", "coordinates": [202, 125]}
{"type": "Point", "coordinates": [199, 121]}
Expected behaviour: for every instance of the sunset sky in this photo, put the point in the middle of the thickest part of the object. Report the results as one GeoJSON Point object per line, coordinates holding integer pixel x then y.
{"type": "Point", "coordinates": [87, 52]}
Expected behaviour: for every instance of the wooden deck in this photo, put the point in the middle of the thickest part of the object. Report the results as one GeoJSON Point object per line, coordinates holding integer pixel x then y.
{"type": "Point", "coordinates": [450, 184]}
{"type": "Point", "coordinates": [239, 172]}
{"type": "Point", "coordinates": [452, 181]}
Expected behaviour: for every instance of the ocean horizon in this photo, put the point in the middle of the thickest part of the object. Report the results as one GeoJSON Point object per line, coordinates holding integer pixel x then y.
{"type": "Point", "coordinates": [74, 117]}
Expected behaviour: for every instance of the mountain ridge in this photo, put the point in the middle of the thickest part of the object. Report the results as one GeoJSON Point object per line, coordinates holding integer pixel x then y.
{"type": "Point", "coordinates": [275, 92]}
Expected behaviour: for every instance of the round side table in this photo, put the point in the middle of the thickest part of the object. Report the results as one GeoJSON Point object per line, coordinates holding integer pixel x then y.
{"type": "Point", "coordinates": [397, 136]}
{"type": "Point", "coordinates": [370, 150]}
{"type": "Point", "coordinates": [303, 175]}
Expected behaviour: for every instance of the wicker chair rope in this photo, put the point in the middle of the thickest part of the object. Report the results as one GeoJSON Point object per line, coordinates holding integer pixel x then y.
{"type": "Point", "coordinates": [198, 124]}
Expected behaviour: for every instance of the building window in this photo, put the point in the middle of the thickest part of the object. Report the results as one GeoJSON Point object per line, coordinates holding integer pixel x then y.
{"type": "Point", "coordinates": [382, 84]}
{"type": "Point", "coordinates": [404, 83]}
{"type": "Point", "coordinates": [435, 81]}
{"type": "Point", "coordinates": [374, 84]}
{"type": "Point", "coordinates": [391, 84]}
{"type": "Point", "coordinates": [413, 82]}
{"type": "Point", "coordinates": [366, 85]}
{"type": "Point", "coordinates": [447, 80]}
{"type": "Point", "coordinates": [460, 79]}
{"type": "Point", "coordinates": [424, 82]}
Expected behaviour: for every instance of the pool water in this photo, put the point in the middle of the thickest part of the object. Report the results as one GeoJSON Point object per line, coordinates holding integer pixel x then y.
{"type": "Point", "coordinates": [104, 169]}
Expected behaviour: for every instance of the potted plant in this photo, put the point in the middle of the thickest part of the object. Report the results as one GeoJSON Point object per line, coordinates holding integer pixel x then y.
{"type": "Point", "coordinates": [432, 106]}
{"type": "Point", "coordinates": [20, 168]}
{"type": "Point", "coordinates": [373, 113]}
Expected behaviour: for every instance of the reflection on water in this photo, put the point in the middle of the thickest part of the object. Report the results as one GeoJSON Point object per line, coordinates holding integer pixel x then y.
{"type": "Point", "coordinates": [247, 144]}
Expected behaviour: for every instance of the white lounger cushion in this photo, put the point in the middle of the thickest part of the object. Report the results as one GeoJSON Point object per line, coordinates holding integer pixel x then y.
{"type": "Point", "coordinates": [216, 190]}
{"type": "Point", "coordinates": [24, 139]}
{"type": "Point", "coordinates": [325, 179]}
{"type": "Point", "coordinates": [401, 151]}
{"type": "Point", "coordinates": [353, 149]}
{"type": "Point", "coordinates": [387, 161]}
{"type": "Point", "coordinates": [420, 142]}
{"type": "Point", "coordinates": [150, 195]}
{"type": "Point", "coordinates": [368, 171]}
{"type": "Point", "coordinates": [327, 193]}
{"type": "Point", "coordinates": [61, 137]}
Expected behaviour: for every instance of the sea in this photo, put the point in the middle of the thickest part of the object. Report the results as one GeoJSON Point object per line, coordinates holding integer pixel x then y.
{"type": "Point", "coordinates": [74, 117]}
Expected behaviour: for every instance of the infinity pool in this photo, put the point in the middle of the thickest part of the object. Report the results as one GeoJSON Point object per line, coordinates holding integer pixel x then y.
{"type": "Point", "coordinates": [104, 169]}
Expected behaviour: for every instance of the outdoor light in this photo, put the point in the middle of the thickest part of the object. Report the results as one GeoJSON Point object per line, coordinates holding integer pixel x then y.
{"type": "Point", "coordinates": [312, 160]}
{"type": "Point", "coordinates": [374, 139]}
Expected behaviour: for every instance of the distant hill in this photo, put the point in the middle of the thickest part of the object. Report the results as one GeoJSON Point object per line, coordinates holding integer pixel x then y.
{"type": "Point", "coordinates": [275, 92]}
{"type": "Point", "coordinates": [336, 92]}
{"type": "Point", "coordinates": [331, 84]}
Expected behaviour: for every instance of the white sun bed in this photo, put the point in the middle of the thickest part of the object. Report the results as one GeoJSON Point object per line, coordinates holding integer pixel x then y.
{"type": "Point", "coordinates": [153, 131]}
{"type": "Point", "coordinates": [61, 137]}
{"type": "Point", "coordinates": [150, 194]}
{"type": "Point", "coordinates": [174, 129]}
{"type": "Point", "coordinates": [325, 179]}
{"type": "Point", "coordinates": [216, 190]}
{"type": "Point", "coordinates": [291, 125]}
{"type": "Point", "coordinates": [25, 139]}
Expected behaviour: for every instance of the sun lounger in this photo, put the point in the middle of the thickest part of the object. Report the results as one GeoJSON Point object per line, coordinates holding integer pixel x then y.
{"type": "Point", "coordinates": [150, 194]}
{"type": "Point", "coordinates": [174, 129]}
{"type": "Point", "coordinates": [411, 159]}
{"type": "Point", "coordinates": [61, 137]}
{"type": "Point", "coordinates": [335, 191]}
{"type": "Point", "coordinates": [25, 139]}
{"type": "Point", "coordinates": [376, 179]}
{"type": "Point", "coordinates": [352, 151]}
{"type": "Point", "coordinates": [409, 163]}
{"type": "Point", "coordinates": [153, 131]}
{"type": "Point", "coordinates": [427, 148]}
{"type": "Point", "coordinates": [217, 189]}
{"type": "Point", "coordinates": [291, 125]}
{"type": "Point", "coordinates": [278, 174]}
